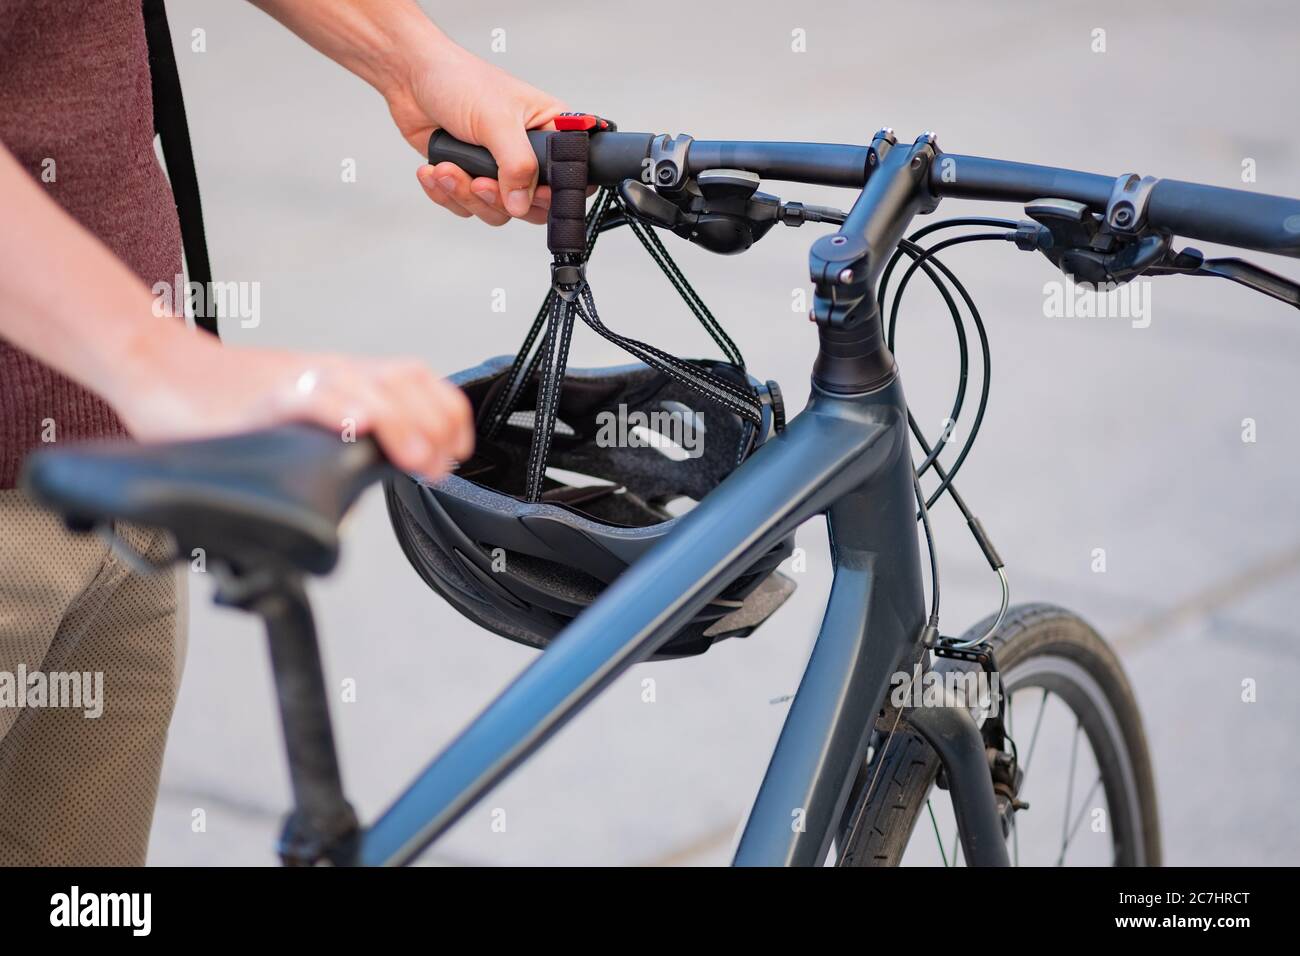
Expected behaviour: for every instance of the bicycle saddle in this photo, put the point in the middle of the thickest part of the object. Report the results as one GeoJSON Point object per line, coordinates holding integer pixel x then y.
{"type": "Point", "coordinates": [274, 496]}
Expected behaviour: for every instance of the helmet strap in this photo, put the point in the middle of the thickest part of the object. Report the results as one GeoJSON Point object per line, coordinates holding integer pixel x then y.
{"type": "Point", "coordinates": [571, 233]}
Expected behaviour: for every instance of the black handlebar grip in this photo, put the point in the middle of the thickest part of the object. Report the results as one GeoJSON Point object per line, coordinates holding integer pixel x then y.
{"type": "Point", "coordinates": [1233, 217]}
{"type": "Point", "coordinates": [476, 160]}
{"type": "Point", "coordinates": [614, 156]}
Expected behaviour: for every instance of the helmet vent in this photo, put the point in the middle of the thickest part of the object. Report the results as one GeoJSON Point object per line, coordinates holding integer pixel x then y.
{"type": "Point", "coordinates": [680, 505]}
{"type": "Point", "coordinates": [576, 479]}
{"type": "Point", "coordinates": [527, 418]}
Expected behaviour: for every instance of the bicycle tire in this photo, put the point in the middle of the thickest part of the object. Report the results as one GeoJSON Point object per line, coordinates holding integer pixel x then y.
{"type": "Point", "coordinates": [895, 791]}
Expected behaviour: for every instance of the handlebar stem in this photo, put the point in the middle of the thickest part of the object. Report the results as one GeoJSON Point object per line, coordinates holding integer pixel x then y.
{"type": "Point", "coordinates": [844, 267]}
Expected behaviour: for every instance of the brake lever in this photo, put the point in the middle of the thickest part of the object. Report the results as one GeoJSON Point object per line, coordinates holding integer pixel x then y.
{"type": "Point", "coordinates": [1192, 262]}
{"type": "Point", "coordinates": [1077, 241]}
{"type": "Point", "coordinates": [1247, 274]}
{"type": "Point", "coordinates": [649, 206]}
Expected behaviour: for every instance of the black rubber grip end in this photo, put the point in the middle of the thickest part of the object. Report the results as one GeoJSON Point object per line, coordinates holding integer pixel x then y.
{"type": "Point", "coordinates": [566, 171]}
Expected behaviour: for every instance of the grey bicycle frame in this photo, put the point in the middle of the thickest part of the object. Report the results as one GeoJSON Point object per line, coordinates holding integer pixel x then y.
{"type": "Point", "coordinates": [847, 455]}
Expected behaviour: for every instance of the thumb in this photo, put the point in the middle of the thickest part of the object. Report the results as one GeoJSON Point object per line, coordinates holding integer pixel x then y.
{"type": "Point", "coordinates": [516, 166]}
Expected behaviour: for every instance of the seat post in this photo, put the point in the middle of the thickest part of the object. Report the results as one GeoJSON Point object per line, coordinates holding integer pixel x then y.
{"type": "Point", "coordinates": [323, 827]}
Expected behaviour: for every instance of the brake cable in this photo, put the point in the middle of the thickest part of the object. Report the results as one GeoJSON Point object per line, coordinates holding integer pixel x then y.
{"type": "Point", "coordinates": [1187, 262]}
{"type": "Point", "coordinates": [922, 259]}
{"type": "Point", "coordinates": [963, 357]}
{"type": "Point", "coordinates": [936, 227]}
{"type": "Point", "coordinates": [920, 256]}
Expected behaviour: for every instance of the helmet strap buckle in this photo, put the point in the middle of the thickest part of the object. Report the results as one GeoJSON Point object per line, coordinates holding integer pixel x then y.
{"type": "Point", "coordinates": [568, 278]}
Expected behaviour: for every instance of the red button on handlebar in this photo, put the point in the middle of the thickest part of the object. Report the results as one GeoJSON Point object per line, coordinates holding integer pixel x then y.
{"type": "Point", "coordinates": [582, 122]}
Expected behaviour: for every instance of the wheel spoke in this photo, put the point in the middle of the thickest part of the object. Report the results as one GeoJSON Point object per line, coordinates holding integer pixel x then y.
{"type": "Point", "coordinates": [1033, 741]}
{"type": "Point", "coordinates": [1083, 811]}
{"type": "Point", "coordinates": [1069, 790]}
{"type": "Point", "coordinates": [929, 805]}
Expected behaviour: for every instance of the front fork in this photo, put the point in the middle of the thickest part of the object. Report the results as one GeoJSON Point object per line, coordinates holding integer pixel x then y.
{"type": "Point", "coordinates": [952, 733]}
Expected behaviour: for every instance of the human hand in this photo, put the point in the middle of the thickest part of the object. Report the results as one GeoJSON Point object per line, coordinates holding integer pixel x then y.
{"type": "Point", "coordinates": [187, 386]}
{"type": "Point", "coordinates": [482, 104]}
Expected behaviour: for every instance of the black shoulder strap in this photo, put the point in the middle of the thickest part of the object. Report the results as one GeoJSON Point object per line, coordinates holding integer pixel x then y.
{"type": "Point", "coordinates": [169, 123]}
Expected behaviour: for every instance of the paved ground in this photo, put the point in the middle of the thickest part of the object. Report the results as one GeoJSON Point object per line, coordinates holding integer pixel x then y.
{"type": "Point", "coordinates": [1099, 435]}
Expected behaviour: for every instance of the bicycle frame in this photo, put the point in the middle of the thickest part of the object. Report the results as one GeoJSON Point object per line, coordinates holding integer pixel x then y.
{"type": "Point", "coordinates": [846, 455]}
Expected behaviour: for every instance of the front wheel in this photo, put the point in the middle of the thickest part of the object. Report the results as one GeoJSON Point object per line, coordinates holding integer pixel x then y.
{"type": "Point", "coordinates": [1086, 771]}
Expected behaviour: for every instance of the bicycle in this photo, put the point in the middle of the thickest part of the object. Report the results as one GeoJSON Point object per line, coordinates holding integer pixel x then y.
{"type": "Point", "coordinates": [852, 770]}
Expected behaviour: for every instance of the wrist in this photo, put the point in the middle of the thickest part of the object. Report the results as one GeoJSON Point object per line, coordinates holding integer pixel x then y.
{"type": "Point", "coordinates": [407, 45]}
{"type": "Point", "coordinates": [153, 355]}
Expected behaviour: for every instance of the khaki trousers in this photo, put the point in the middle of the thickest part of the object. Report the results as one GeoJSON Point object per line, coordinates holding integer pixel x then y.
{"type": "Point", "coordinates": [78, 788]}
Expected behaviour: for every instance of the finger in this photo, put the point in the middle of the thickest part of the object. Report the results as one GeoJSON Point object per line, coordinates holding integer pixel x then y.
{"type": "Point", "coordinates": [438, 194]}
{"type": "Point", "coordinates": [410, 387]}
{"type": "Point", "coordinates": [452, 183]}
{"type": "Point", "coordinates": [508, 143]}
{"type": "Point", "coordinates": [538, 211]}
{"type": "Point", "coordinates": [488, 193]}
{"type": "Point", "coordinates": [453, 191]}
{"type": "Point", "coordinates": [331, 399]}
{"type": "Point", "coordinates": [438, 408]}
{"type": "Point", "coordinates": [536, 216]}
{"type": "Point", "coordinates": [451, 416]}
{"type": "Point", "coordinates": [460, 417]}
{"type": "Point", "coordinates": [406, 446]}
{"type": "Point", "coordinates": [353, 395]}
{"type": "Point", "coordinates": [455, 183]}
{"type": "Point", "coordinates": [487, 190]}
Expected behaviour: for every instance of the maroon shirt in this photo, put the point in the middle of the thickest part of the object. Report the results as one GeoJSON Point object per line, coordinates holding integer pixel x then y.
{"type": "Point", "coordinates": [74, 88]}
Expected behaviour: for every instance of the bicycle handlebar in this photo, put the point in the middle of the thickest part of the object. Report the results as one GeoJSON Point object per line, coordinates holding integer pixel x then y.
{"type": "Point", "coordinates": [612, 158]}
{"type": "Point", "coordinates": [1233, 217]}
{"type": "Point", "coordinates": [616, 156]}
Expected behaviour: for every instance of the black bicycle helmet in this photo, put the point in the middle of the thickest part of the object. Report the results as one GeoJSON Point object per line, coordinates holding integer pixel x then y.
{"type": "Point", "coordinates": [524, 569]}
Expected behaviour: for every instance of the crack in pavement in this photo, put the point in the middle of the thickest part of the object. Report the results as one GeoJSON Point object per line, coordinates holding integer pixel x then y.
{"type": "Point", "coordinates": [251, 811]}
{"type": "Point", "coordinates": [684, 852]}
{"type": "Point", "coordinates": [1205, 601]}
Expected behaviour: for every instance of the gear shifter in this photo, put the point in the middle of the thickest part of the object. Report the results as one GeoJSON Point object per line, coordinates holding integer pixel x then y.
{"type": "Point", "coordinates": [719, 209]}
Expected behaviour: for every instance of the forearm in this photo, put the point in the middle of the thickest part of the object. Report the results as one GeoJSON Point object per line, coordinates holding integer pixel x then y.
{"type": "Point", "coordinates": [381, 41]}
{"type": "Point", "coordinates": [66, 299]}
{"type": "Point", "coordinates": [431, 83]}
